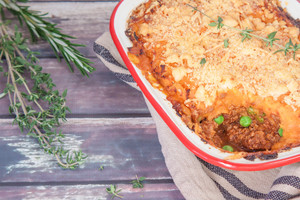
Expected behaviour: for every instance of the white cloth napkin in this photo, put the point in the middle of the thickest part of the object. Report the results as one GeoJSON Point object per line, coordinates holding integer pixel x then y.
{"type": "Point", "coordinates": [195, 178]}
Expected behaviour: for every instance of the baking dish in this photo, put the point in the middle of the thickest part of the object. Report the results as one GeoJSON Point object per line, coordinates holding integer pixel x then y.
{"type": "Point", "coordinates": [194, 143]}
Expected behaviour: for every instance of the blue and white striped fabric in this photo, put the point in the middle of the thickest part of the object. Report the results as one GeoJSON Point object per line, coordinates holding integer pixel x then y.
{"type": "Point", "coordinates": [195, 178]}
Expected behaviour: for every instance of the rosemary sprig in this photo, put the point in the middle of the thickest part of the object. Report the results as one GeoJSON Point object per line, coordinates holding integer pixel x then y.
{"type": "Point", "coordinates": [112, 189]}
{"type": "Point", "coordinates": [28, 103]}
{"type": "Point", "coordinates": [247, 34]}
{"type": "Point", "coordinates": [39, 27]}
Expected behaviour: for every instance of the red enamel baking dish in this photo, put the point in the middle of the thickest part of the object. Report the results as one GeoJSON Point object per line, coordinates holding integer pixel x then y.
{"type": "Point", "coordinates": [204, 151]}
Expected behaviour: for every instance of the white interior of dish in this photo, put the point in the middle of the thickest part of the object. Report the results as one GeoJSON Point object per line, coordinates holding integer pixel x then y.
{"type": "Point", "coordinates": [120, 25]}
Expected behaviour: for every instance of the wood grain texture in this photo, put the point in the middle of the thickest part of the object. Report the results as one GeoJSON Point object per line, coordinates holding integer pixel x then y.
{"type": "Point", "coordinates": [84, 20]}
{"type": "Point", "coordinates": [102, 93]}
{"type": "Point", "coordinates": [125, 147]}
{"type": "Point", "coordinates": [97, 191]}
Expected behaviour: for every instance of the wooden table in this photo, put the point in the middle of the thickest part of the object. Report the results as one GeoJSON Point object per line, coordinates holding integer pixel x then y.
{"type": "Point", "coordinates": [109, 121]}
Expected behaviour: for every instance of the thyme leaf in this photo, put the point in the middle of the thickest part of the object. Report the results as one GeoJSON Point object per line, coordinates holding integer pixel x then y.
{"type": "Point", "coordinates": [138, 182]}
{"type": "Point", "coordinates": [271, 39]}
{"type": "Point", "coordinates": [288, 46]}
{"type": "Point", "coordinates": [218, 24]}
{"type": "Point", "coordinates": [203, 61]}
{"type": "Point", "coordinates": [246, 34]}
{"type": "Point", "coordinates": [226, 43]}
{"type": "Point", "coordinates": [295, 48]}
{"type": "Point", "coordinates": [112, 189]}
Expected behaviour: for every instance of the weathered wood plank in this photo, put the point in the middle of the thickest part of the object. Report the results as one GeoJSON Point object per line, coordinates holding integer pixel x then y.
{"type": "Point", "coordinates": [102, 93]}
{"type": "Point", "coordinates": [125, 147]}
{"type": "Point", "coordinates": [81, 192]}
{"type": "Point", "coordinates": [84, 20]}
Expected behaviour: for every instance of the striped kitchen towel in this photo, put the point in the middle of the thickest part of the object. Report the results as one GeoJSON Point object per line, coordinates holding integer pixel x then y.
{"type": "Point", "coordinates": [195, 178]}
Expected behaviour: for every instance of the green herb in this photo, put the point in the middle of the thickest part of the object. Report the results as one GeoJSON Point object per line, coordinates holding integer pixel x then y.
{"type": "Point", "coordinates": [280, 132]}
{"type": "Point", "coordinates": [38, 107]}
{"type": "Point", "coordinates": [218, 24]}
{"type": "Point", "coordinates": [39, 27]}
{"type": "Point", "coordinates": [101, 167]}
{"type": "Point", "coordinates": [226, 43]}
{"type": "Point", "coordinates": [228, 148]}
{"type": "Point", "coordinates": [271, 39]}
{"type": "Point", "coordinates": [203, 61]}
{"type": "Point", "coordinates": [295, 48]}
{"type": "Point", "coordinates": [138, 182]}
{"type": "Point", "coordinates": [289, 46]}
{"type": "Point", "coordinates": [219, 120]}
{"type": "Point", "coordinates": [251, 111]}
{"type": "Point", "coordinates": [260, 119]}
{"type": "Point", "coordinates": [113, 191]}
{"type": "Point", "coordinates": [247, 34]}
{"type": "Point", "coordinates": [286, 48]}
{"type": "Point", "coordinates": [245, 121]}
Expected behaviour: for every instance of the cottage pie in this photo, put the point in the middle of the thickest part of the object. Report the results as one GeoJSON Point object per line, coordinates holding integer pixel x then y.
{"type": "Point", "coordinates": [237, 96]}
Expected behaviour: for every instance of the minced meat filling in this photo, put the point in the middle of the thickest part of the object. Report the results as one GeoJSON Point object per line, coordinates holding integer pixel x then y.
{"type": "Point", "coordinates": [260, 135]}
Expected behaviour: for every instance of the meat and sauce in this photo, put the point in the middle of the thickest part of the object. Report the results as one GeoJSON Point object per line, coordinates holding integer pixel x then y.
{"type": "Point", "coordinates": [238, 92]}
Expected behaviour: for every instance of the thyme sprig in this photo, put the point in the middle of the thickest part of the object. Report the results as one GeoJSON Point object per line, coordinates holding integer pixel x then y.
{"type": "Point", "coordinates": [289, 47]}
{"type": "Point", "coordinates": [138, 182]}
{"type": "Point", "coordinates": [218, 24]}
{"type": "Point", "coordinates": [40, 28]}
{"type": "Point", "coordinates": [248, 34]}
{"type": "Point", "coordinates": [112, 189]}
{"type": "Point", "coordinates": [37, 107]}
{"type": "Point", "coordinates": [271, 39]}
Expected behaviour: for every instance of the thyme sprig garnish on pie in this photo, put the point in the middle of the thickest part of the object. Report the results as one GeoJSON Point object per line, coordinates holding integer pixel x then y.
{"type": "Point", "coordinates": [289, 47]}
{"type": "Point", "coordinates": [248, 34]}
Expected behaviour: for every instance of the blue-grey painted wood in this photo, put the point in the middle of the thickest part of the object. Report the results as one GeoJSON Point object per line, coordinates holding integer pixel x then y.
{"type": "Point", "coordinates": [100, 94]}
{"type": "Point", "coordinates": [125, 147]}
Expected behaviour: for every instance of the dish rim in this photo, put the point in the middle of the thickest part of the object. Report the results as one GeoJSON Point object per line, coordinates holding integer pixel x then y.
{"type": "Point", "coordinates": [184, 140]}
